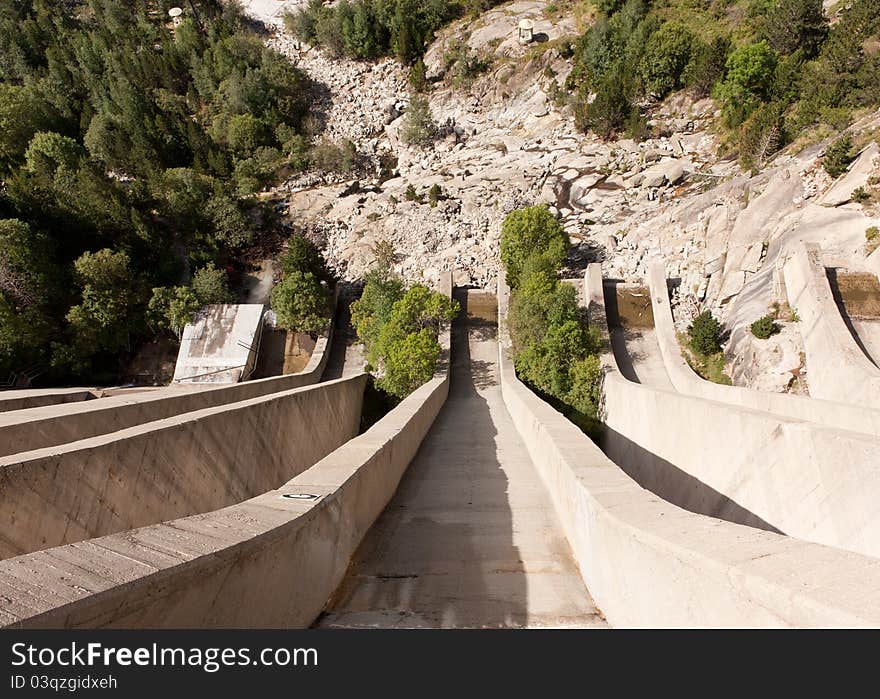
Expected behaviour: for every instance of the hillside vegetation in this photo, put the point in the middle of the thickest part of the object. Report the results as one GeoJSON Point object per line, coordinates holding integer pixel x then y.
{"type": "Point", "coordinates": [777, 67]}
{"type": "Point", "coordinates": [128, 154]}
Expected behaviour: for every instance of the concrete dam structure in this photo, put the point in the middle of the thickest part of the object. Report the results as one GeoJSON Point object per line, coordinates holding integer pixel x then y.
{"type": "Point", "coordinates": [471, 503]}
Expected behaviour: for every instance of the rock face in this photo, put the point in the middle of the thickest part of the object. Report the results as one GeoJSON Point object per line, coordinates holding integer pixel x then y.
{"type": "Point", "coordinates": [503, 142]}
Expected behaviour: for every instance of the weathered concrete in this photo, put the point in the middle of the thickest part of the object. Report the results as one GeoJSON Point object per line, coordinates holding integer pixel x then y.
{"type": "Point", "coordinates": [27, 430]}
{"type": "Point", "coordinates": [471, 538]}
{"type": "Point", "coordinates": [220, 345]}
{"type": "Point", "coordinates": [837, 368]}
{"type": "Point", "coordinates": [685, 380]}
{"type": "Point", "coordinates": [740, 464]}
{"type": "Point", "coordinates": [267, 562]}
{"type": "Point", "coordinates": [190, 463]}
{"type": "Point", "coordinates": [649, 563]}
{"type": "Point", "coordinates": [21, 399]}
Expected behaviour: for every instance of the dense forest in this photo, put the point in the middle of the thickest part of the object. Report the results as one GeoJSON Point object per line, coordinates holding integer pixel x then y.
{"type": "Point", "coordinates": [368, 29]}
{"type": "Point", "coordinates": [129, 151]}
{"type": "Point", "coordinates": [777, 67]}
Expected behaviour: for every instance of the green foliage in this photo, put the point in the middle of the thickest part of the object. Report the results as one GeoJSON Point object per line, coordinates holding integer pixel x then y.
{"type": "Point", "coordinates": [707, 65]}
{"type": "Point", "coordinates": [704, 334]}
{"type": "Point", "coordinates": [172, 308]}
{"type": "Point", "coordinates": [531, 231]}
{"type": "Point", "coordinates": [367, 29]}
{"type": "Point", "coordinates": [118, 134]}
{"type": "Point", "coordinates": [434, 194]}
{"type": "Point", "coordinates": [418, 126]}
{"type": "Point", "coordinates": [872, 233]}
{"type": "Point", "coordinates": [399, 328]}
{"type": "Point", "coordinates": [793, 25]}
{"type": "Point", "coordinates": [838, 156]}
{"type": "Point", "coordinates": [209, 285]}
{"type": "Point", "coordinates": [764, 327]}
{"type": "Point", "coordinates": [417, 77]}
{"type": "Point", "coordinates": [750, 72]}
{"type": "Point", "coordinates": [463, 64]}
{"type": "Point", "coordinates": [302, 255]}
{"type": "Point", "coordinates": [666, 56]}
{"type": "Point", "coordinates": [301, 303]}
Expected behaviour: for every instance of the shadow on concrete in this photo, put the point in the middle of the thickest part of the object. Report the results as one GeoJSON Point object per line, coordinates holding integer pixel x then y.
{"type": "Point", "coordinates": [442, 553]}
{"type": "Point", "coordinates": [672, 484]}
{"type": "Point", "coordinates": [841, 301]}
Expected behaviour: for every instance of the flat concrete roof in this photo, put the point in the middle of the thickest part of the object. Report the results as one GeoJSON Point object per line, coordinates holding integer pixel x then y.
{"type": "Point", "coordinates": [216, 346]}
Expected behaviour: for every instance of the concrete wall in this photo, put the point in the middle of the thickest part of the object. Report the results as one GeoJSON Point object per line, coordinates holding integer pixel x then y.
{"type": "Point", "coordinates": [837, 368]}
{"type": "Point", "coordinates": [687, 381]}
{"type": "Point", "coordinates": [171, 468]}
{"type": "Point", "coordinates": [266, 562]}
{"type": "Point", "coordinates": [740, 464]}
{"type": "Point", "coordinates": [21, 399]}
{"type": "Point", "coordinates": [649, 563]}
{"type": "Point", "coordinates": [58, 424]}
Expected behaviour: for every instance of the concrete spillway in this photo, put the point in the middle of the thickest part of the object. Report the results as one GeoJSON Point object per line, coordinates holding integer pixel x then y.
{"type": "Point", "coordinates": [471, 538]}
{"type": "Point", "coordinates": [633, 337]}
{"type": "Point", "coordinates": [486, 509]}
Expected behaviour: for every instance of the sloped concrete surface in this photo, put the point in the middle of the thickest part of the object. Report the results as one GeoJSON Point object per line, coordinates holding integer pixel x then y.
{"type": "Point", "coordinates": [471, 538]}
{"type": "Point", "coordinates": [648, 563]}
{"type": "Point", "coordinates": [171, 468]}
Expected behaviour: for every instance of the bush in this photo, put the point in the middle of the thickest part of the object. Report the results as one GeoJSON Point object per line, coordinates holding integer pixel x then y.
{"type": "Point", "coordinates": [750, 74]}
{"type": "Point", "coordinates": [793, 25]}
{"type": "Point", "coordinates": [764, 327]}
{"type": "Point", "coordinates": [399, 329]}
{"type": "Point", "coordinates": [301, 303]}
{"type": "Point", "coordinates": [302, 255]}
{"type": "Point", "coordinates": [838, 156]}
{"type": "Point", "coordinates": [434, 194]}
{"type": "Point", "coordinates": [209, 285]}
{"type": "Point", "coordinates": [531, 231]}
{"type": "Point", "coordinates": [417, 78]}
{"type": "Point", "coordinates": [707, 65]}
{"type": "Point", "coordinates": [418, 128]}
{"type": "Point", "coordinates": [705, 334]}
{"type": "Point", "coordinates": [667, 53]}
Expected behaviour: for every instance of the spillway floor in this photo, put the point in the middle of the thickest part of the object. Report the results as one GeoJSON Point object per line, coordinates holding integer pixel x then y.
{"type": "Point", "coordinates": [471, 538]}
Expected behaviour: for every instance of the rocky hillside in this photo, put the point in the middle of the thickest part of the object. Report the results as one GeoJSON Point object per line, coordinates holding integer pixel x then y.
{"type": "Point", "coordinates": [508, 140]}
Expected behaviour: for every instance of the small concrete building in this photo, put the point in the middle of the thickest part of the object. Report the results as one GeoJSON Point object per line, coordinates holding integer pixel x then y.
{"type": "Point", "coordinates": [220, 345]}
{"type": "Point", "coordinates": [526, 31]}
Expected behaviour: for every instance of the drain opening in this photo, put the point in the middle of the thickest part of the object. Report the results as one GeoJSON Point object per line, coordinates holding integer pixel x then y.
{"type": "Point", "coordinates": [299, 496]}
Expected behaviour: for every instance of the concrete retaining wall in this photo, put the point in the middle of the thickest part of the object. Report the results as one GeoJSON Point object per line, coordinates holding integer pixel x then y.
{"type": "Point", "coordinates": [687, 381]}
{"type": "Point", "coordinates": [58, 424]}
{"type": "Point", "coordinates": [837, 368]}
{"type": "Point", "coordinates": [649, 563]}
{"type": "Point", "coordinates": [744, 465]}
{"type": "Point", "coordinates": [21, 399]}
{"type": "Point", "coordinates": [267, 562]}
{"type": "Point", "coordinates": [196, 462]}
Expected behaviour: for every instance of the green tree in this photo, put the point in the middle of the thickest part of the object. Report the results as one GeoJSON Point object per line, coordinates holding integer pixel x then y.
{"type": "Point", "coordinates": [210, 286]}
{"type": "Point", "coordinates": [302, 255]}
{"type": "Point", "coordinates": [533, 230]}
{"type": "Point", "coordinates": [705, 334]}
{"type": "Point", "coordinates": [418, 126]}
{"type": "Point", "coordinates": [172, 308]}
{"type": "Point", "coordinates": [666, 56]}
{"type": "Point", "coordinates": [301, 303]}
{"type": "Point", "coordinates": [749, 80]}
{"type": "Point", "coordinates": [793, 25]}
{"type": "Point", "coordinates": [838, 156]}
{"type": "Point", "coordinates": [409, 361]}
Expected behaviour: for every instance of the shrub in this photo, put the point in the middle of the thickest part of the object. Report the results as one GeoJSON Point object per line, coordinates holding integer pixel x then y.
{"type": "Point", "coordinates": [764, 327]}
{"type": "Point", "coordinates": [793, 25]}
{"type": "Point", "coordinates": [860, 195]}
{"type": "Point", "coordinates": [705, 334]}
{"type": "Point", "coordinates": [417, 78]}
{"type": "Point", "coordinates": [418, 128]}
{"type": "Point", "coordinates": [209, 285]}
{"type": "Point", "coordinates": [750, 74]}
{"type": "Point", "coordinates": [302, 255]}
{"type": "Point", "coordinates": [666, 55]}
{"type": "Point", "coordinates": [301, 303]}
{"type": "Point", "coordinates": [707, 65]}
{"type": "Point", "coordinates": [838, 156]}
{"type": "Point", "coordinates": [531, 231]}
{"type": "Point", "coordinates": [434, 195]}
{"type": "Point", "coordinates": [872, 239]}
